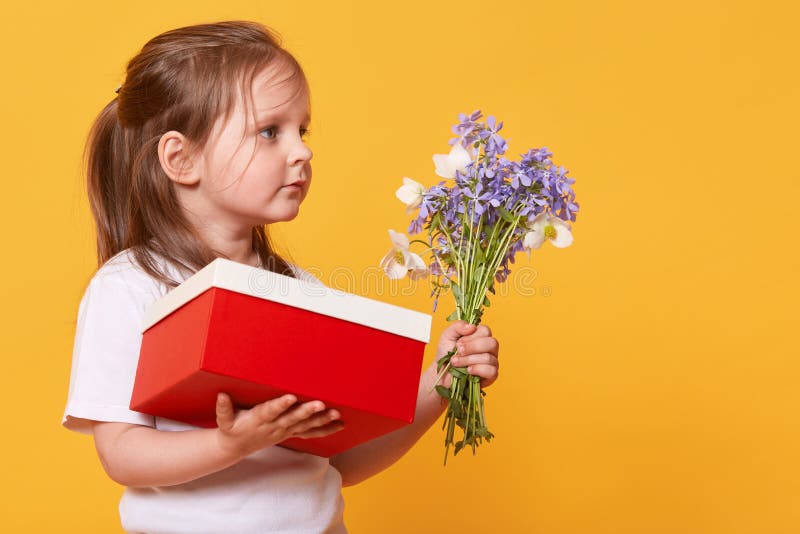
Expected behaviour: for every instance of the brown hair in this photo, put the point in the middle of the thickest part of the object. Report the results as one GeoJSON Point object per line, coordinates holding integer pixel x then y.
{"type": "Point", "coordinates": [183, 80]}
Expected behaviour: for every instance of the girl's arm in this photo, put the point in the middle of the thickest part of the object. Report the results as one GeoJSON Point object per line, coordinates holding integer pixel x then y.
{"type": "Point", "coordinates": [479, 353]}
{"type": "Point", "coordinates": [135, 455]}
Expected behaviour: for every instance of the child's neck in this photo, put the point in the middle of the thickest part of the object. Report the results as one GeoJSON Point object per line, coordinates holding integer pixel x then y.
{"type": "Point", "coordinates": [254, 260]}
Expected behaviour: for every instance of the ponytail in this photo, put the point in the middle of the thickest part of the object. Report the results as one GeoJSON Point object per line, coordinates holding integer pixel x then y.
{"type": "Point", "coordinates": [108, 184]}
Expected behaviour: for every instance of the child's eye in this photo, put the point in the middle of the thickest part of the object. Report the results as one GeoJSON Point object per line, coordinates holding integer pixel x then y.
{"type": "Point", "coordinates": [270, 132]}
{"type": "Point", "coordinates": [305, 132]}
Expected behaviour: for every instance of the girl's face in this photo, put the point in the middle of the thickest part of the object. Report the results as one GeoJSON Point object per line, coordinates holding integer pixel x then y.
{"type": "Point", "coordinates": [266, 178]}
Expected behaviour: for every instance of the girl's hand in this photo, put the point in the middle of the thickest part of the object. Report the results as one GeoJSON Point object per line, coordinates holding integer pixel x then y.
{"type": "Point", "coordinates": [478, 351]}
{"type": "Point", "coordinates": [244, 432]}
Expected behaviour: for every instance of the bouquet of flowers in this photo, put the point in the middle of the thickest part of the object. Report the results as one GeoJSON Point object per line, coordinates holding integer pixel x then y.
{"type": "Point", "coordinates": [486, 210]}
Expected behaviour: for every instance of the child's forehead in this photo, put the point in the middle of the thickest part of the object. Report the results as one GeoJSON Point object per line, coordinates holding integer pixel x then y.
{"type": "Point", "coordinates": [277, 95]}
{"type": "Point", "coordinates": [274, 80]}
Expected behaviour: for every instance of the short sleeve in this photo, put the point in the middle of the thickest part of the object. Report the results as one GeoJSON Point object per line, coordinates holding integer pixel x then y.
{"type": "Point", "coordinates": [105, 354]}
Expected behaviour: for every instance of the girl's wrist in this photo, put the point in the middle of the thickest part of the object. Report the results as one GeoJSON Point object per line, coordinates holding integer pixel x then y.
{"type": "Point", "coordinates": [429, 387]}
{"type": "Point", "coordinates": [228, 448]}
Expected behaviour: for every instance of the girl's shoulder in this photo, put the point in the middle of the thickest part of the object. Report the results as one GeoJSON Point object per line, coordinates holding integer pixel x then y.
{"type": "Point", "coordinates": [124, 270]}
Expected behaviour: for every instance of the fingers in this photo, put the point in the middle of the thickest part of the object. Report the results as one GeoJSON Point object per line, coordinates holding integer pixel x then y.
{"type": "Point", "coordinates": [482, 365]}
{"type": "Point", "coordinates": [481, 331]}
{"type": "Point", "coordinates": [478, 353]}
{"type": "Point", "coordinates": [300, 413]}
{"type": "Point", "coordinates": [322, 431]}
{"type": "Point", "coordinates": [488, 373]}
{"type": "Point", "coordinates": [477, 346]}
{"type": "Point", "coordinates": [310, 419]}
{"type": "Point", "coordinates": [245, 431]}
{"type": "Point", "coordinates": [477, 362]}
{"type": "Point", "coordinates": [270, 410]}
{"type": "Point", "coordinates": [457, 330]}
{"type": "Point", "coordinates": [224, 411]}
{"type": "Point", "coordinates": [281, 412]}
{"type": "Point", "coordinates": [267, 411]}
{"type": "Point", "coordinates": [314, 422]}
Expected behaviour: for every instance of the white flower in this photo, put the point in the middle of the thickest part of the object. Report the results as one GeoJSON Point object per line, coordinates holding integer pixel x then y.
{"type": "Point", "coordinates": [544, 227]}
{"type": "Point", "coordinates": [448, 164]}
{"type": "Point", "coordinates": [400, 261]}
{"type": "Point", "coordinates": [410, 194]}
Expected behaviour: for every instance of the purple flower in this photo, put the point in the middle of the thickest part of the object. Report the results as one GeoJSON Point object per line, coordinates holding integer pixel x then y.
{"type": "Point", "coordinates": [490, 191]}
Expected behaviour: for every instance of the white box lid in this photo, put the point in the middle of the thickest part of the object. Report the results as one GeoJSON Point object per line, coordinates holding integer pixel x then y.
{"type": "Point", "coordinates": [317, 298]}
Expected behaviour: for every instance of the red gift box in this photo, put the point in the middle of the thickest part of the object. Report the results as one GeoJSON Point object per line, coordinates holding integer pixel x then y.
{"type": "Point", "coordinates": [256, 335]}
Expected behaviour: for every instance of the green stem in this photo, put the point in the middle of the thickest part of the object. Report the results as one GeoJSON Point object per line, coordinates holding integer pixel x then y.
{"type": "Point", "coordinates": [470, 276]}
{"type": "Point", "coordinates": [455, 251]}
{"type": "Point", "coordinates": [446, 367]}
{"type": "Point", "coordinates": [497, 254]}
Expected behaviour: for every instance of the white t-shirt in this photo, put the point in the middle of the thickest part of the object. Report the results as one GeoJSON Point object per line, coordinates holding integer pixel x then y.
{"type": "Point", "coordinates": [273, 490]}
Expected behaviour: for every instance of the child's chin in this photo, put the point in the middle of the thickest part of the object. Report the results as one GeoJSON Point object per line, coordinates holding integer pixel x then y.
{"type": "Point", "coordinates": [285, 215]}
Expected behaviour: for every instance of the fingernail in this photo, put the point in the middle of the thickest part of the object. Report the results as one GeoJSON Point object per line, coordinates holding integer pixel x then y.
{"type": "Point", "coordinates": [460, 348]}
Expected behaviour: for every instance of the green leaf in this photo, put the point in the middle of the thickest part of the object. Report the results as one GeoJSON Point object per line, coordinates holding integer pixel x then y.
{"type": "Point", "coordinates": [453, 258]}
{"type": "Point", "coordinates": [480, 255]}
{"type": "Point", "coordinates": [443, 391]}
{"type": "Point", "coordinates": [453, 316]}
{"type": "Point", "coordinates": [480, 270]}
{"type": "Point", "coordinates": [504, 213]}
{"type": "Point", "coordinates": [486, 301]}
{"type": "Point", "coordinates": [457, 291]}
{"type": "Point", "coordinates": [455, 371]}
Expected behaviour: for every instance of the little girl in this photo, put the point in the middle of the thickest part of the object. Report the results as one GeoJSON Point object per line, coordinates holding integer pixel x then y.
{"type": "Point", "coordinates": [201, 149]}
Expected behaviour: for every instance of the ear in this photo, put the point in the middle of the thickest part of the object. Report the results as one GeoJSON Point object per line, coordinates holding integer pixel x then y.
{"type": "Point", "coordinates": [176, 158]}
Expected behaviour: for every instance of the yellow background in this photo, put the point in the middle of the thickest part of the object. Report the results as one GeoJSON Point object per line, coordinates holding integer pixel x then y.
{"type": "Point", "coordinates": [650, 385]}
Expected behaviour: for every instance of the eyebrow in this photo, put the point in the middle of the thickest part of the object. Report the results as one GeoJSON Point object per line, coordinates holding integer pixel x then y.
{"type": "Point", "coordinates": [264, 114]}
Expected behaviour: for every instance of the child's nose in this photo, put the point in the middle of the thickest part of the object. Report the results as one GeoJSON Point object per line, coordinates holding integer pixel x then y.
{"type": "Point", "coordinates": [300, 152]}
